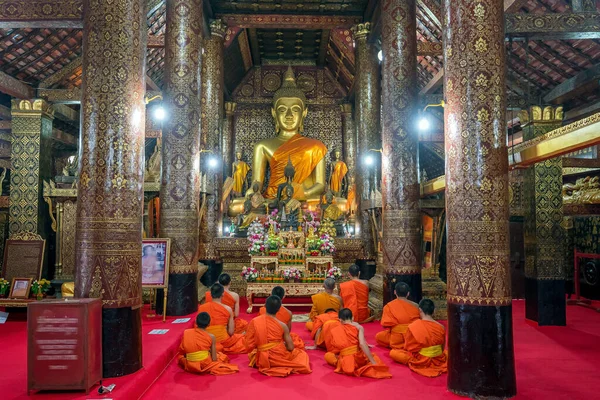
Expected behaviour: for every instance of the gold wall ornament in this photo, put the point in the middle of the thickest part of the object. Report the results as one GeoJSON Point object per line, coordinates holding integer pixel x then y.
{"type": "Point", "coordinates": [361, 30]}
{"type": "Point", "coordinates": [218, 28]}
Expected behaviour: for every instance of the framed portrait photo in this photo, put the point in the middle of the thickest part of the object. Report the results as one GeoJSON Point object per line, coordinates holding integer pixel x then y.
{"type": "Point", "coordinates": [20, 288]}
{"type": "Point", "coordinates": [155, 262]}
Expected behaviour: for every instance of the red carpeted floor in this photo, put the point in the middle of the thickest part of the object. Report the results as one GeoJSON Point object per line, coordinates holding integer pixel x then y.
{"type": "Point", "coordinates": [157, 352]}
{"type": "Point", "coordinates": [551, 363]}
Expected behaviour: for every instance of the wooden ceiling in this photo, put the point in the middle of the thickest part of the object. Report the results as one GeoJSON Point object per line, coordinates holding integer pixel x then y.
{"type": "Point", "coordinates": [538, 67]}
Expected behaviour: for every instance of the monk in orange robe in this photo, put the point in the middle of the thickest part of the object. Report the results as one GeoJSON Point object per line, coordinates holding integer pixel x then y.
{"type": "Point", "coordinates": [355, 294]}
{"type": "Point", "coordinates": [324, 301]}
{"type": "Point", "coordinates": [397, 314]}
{"type": "Point", "coordinates": [350, 354]}
{"type": "Point", "coordinates": [198, 351]}
{"type": "Point", "coordinates": [322, 326]}
{"type": "Point", "coordinates": [270, 345]}
{"type": "Point", "coordinates": [424, 344]}
{"type": "Point", "coordinates": [285, 316]}
{"type": "Point", "coordinates": [221, 323]}
{"type": "Point", "coordinates": [231, 299]}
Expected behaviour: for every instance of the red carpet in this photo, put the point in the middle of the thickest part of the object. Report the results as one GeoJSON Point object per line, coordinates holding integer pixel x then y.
{"type": "Point", "coordinates": [551, 362]}
{"type": "Point", "coordinates": [158, 351]}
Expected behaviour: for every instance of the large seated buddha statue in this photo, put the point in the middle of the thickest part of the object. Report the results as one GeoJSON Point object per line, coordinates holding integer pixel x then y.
{"type": "Point", "coordinates": [305, 154]}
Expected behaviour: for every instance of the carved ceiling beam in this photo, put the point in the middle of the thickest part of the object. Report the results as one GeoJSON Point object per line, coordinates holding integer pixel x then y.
{"type": "Point", "coordinates": [553, 26]}
{"type": "Point", "coordinates": [41, 14]}
{"type": "Point", "coordinates": [432, 10]}
{"type": "Point", "coordinates": [323, 47]}
{"type": "Point", "coordinates": [571, 162]}
{"type": "Point", "coordinates": [279, 21]}
{"type": "Point", "coordinates": [62, 73]}
{"type": "Point", "coordinates": [556, 143]}
{"type": "Point", "coordinates": [155, 41]}
{"type": "Point", "coordinates": [15, 87]}
{"type": "Point", "coordinates": [64, 138]}
{"type": "Point", "coordinates": [583, 82]}
{"type": "Point", "coordinates": [254, 46]}
{"type": "Point", "coordinates": [151, 85]}
{"type": "Point", "coordinates": [513, 6]}
{"type": "Point", "coordinates": [71, 96]}
{"type": "Point", "coordinates": [429, 49]}
{"type": "Point", "coordinates": [434, 83]}
{"type": "Point", "coordinates": [65, 113]}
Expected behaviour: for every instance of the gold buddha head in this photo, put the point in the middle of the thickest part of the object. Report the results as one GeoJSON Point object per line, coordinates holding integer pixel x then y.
{"type": "Point", "coordinates": [238, 155]}
{"type": "Point", "coordinates": [289, 105]}
{"type": "Point", "coordinates": [337, 155]}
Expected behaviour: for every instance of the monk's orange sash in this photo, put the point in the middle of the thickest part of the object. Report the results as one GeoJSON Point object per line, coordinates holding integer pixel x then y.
{"type": "Point", "coordinates": [197, 356]}
{"type": "Point", "coordinates": [220, 332]}
{"type": "Point", "coordinates": [330, 321]}
{"type": "Point", "coordinates": [400, 328]}
{"type": "Point", "coordinates": [348, 351]}
{"type": "Point", "coordinates": [432, 351]}
{"type": "Point", "coordinates": [268, 346]}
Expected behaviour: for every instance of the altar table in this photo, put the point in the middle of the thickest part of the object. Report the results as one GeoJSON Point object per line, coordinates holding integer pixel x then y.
{"type": "Point", "coordinates": [291, 290]}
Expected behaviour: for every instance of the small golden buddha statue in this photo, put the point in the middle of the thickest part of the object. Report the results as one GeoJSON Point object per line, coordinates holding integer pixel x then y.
{"type": "Point", "coordinates": [257, 200]}
{"type": "Point", "coordinates": [338, 180]}
{"type": "Point", "coordinates": [239, 172]}
{"type": "Point", "coordinates": [153, 168]}
{"type": "Point", "coordinates": [330, 210]}
{"type": "Point", "coordinates": [307, 155]}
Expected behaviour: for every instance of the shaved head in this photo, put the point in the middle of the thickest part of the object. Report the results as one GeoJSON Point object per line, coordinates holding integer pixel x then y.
{"type": "Point", "coordinates": [329, 284]}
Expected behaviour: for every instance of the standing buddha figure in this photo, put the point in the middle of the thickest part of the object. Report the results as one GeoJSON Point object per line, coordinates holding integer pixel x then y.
{"type": "Point", "coordinates": [306, 155]}
{"type": "Point", "coordinates": [338, 175]}
{"type": "Point", "coordinates": [240, 170]}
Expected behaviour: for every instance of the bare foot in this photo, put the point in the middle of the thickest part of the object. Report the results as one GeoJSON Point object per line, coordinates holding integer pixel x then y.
{"type": "Point", "coordinates": [310, 347]}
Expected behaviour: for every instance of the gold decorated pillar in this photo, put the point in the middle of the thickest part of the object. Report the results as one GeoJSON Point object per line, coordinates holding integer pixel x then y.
{"type": "Point", "coordinates": [480, 339]}
{"type": "Point", "coordinates": [367, 122]}
{"type": "Point", "coordinates": [401, 219]}
{"type": "Point", "coordinates": [110, 194]}
{"type": "Point", "coordinates": [210, 143]}
{"type": "Point", "coordinates": [180, 186]}
{"type": "Point", "coordinates": [349, 142]}
{"type": "Point", "coordinates": [544, 234]}
{"type": "Point", "coordinates": [31, 165]}
{"type": "Point", "coordinates": [227, 138]}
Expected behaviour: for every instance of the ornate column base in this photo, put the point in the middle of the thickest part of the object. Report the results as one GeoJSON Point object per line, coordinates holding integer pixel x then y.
{"type": "Point", "coordinates": [182, 297]}
{"type": "Point", "coordinates": [484, 366]}
{"type": "Point", "coordinates": [121, 341]}
{"type": "Point", "coordinates": [435, 289]}
{"type": "Point", "coordinates": [376, 295]}
{"type": "Point", "coordinates": [545, 301]}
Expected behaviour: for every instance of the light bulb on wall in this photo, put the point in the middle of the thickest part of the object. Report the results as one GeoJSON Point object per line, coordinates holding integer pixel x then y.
{"type": "Point", "coordinates": [380, 55]}
{"type": "Point", "coordinates": [424, 124]}
{"type": "Point", "coordinates": [160, 113]}
{"type": "Point", "coordinates": [369, 160]}
{"type": "Point", "coordinates": [213, 162]}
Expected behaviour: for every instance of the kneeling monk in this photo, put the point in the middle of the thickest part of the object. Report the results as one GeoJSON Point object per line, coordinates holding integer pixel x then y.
{"type": "Point", "coordinates": [324, 301]}
{"type": "Point", "coordinates": [350, 354]}
{"type": "Point", "coordinates": [285, 316]}
{"type": "Point", "coordinates": [397, 314]}
{"type": "Point", "coordinates": [221, 323]}
{"type": "Point", "coordinates": [322, 326]}
{"type": "Point", "coordinates": [232, 300]}
{"type": "Point", "coordinates": [270, 345]}
{"type": "Point", "coordinates": [198, 351]}
{"type": "Point", "coordinates": [355, 294]}
{"type": "Point", "coordinates": [424, 344]}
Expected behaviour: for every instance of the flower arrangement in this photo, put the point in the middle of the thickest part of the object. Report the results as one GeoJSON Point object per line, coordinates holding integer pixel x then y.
{"type": "Point", "coordinates": [335, 273]}
{"type": "Point", "coordinates": [4, 286]}
{"type": "Point", "coordinates": [273, 243]}
{"type": "Point", "coordinates": [40, 287]}
{"type": "Point", "coordinates": [292, 274]}
{"type": "Point", "coordinates": [327, 245]}
{"type": "Point", "coordinates": [311, 220]}
{"type": "Point", "coordinates": [273, 220]}
{"type": "Point", "coordinates": [256, 237]}
{"type": "Point", "coordinates": [249, 274]}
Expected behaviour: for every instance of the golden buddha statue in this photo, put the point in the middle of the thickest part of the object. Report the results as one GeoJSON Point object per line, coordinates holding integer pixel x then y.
{"type": "Point", "coordinates": [240, 171]}
{"type": "Point", "coordinates": [307, 155]}
{"type": "Point", "coordinates": [331, 211]}
{"type": "Point", "coordinates": [338, 180]}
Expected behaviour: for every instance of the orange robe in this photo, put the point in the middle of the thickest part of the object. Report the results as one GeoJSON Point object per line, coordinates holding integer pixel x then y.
{"type": "Point", "coordinates": [340, 169]}
{"type": "Point", "coordinates": [195, 341]}
{"type": "Point", "coordinates": [326, 322]}
{"type": "Point", "coordinates": [305, 154]}
{"type": "Point", "coordinates": [322, 302]}
{"type": "Point", "coordinates": [356, 297]}
{"type": "Point", "coordinates": [423, 343]}
{"type": "Point", "coordinates": [397, 314]}
{"type": "Point", "coordinates": [228, 300]}
{"type": "Point", "coordinates": [285, 316]}
{"type": "Point", "coordinates": [349, 359]}
{"type": "Point", "coordinates": [267, 351]}
{"type": "Point", "coordinates": [219, 317]}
